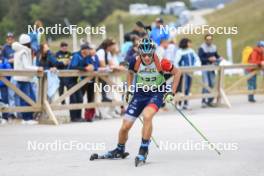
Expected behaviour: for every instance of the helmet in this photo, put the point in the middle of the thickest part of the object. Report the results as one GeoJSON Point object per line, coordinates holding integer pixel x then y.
{"type": "Point", "coordinates": [24, 39]}
{"type": "Point", "coordinates": [146, 46]}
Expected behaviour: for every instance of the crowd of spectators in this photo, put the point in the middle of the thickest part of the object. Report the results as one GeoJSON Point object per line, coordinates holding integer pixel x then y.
{"type": "Point", "coordinates": [32, 52]}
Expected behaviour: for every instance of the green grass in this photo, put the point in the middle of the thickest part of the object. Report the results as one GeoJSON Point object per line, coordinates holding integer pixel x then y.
{"type": "Point", "coordinates": [248, 16]}
{"type": "Point", "coordinates": [112, 26]}
{"type": "Point", "coordinates": [117, 17]}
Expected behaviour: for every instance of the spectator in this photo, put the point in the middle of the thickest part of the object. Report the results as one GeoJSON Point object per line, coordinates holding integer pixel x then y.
{"type": "Point", "coordinates": [37, 38]}
{"type": "Point", "coordinates": [171, 50]}
{"type": "Point", "coordinates": [139, 31]}
{"type": "Point", "coordinates": [132, 51]}
{"type": "Point", "coordinates": [92, 59]}
{"type": "Point", "coordinates": [104, 55]}
{"type": "Point", "coordinates": [8, 55]}
{"type": "Point", "coordinates": [162, 48]}
{"type": "Point", "coordinates": [256, 57]}
{"type": "Point", "coordinates": [47, 60]}
{"type": "Point", "coordinates": [78, 62]}
{"type": "Point", "coordinates": [157, 33]}
{"type": "Point", "coordinates": [4, 64]}
{"type": "Point", "coordinates": [186, 57]}
{"type": "Point", "coordinates": [64, 56]}
{"type": "Point", "coordinates": [209, 56]}
{"type": "Point", "coordinates": [23, 61]}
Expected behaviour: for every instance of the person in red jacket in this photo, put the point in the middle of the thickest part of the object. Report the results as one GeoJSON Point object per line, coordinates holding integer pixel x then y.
{"type": "Point", "coordinates": [256, 57]}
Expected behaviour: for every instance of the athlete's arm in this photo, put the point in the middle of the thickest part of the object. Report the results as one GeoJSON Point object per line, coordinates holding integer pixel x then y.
{"type": "Point", "coordinates": [167, 66]}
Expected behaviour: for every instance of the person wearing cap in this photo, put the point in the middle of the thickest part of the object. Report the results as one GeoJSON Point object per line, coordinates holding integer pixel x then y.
{"type": "Point", "coordinates": [8, 55]}
{"type": "Point", "coordinates": [256, 57]}
{"type": "Point", "coordinates": [63, 55]}
{"type": "Point", "coordinates": [88, 88]}
{"type": "Point", "coordinates": [157, 33]}
{"type": "Point", "coordinates": [78, 62]}
{"type": "Point", "coordinates": [8, 52]}
{"type": "Point", "coordinates": [23, 61]}
{"type": "Point", "coordinates": [138, 30]}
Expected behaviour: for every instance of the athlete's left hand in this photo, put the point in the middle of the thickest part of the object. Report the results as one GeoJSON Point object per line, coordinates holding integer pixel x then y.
{"type": "Point", "coordinates": [168, 97]}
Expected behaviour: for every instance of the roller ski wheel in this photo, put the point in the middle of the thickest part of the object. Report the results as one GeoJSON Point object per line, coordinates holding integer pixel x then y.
{"type": "Point", "coordinates": [109, 155]}
{"type": "Point", "coordinates": [140, 160]}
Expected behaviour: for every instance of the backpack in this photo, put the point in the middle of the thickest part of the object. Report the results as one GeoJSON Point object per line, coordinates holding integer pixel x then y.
{"type": "Point", "coordinates": [246, 53]}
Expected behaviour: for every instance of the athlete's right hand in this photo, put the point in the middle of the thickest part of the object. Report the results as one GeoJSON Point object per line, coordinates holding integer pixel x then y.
{"type": "Point", "coordinates": [128, 96]}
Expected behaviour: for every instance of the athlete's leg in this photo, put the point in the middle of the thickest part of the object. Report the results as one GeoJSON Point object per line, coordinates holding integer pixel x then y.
{"type": "Point", "coordinates": [123, 132]}
{"type": "Point", "coordinates": [148, 115]}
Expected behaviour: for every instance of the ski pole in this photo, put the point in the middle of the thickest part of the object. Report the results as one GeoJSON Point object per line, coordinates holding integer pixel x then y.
{"type": "Point", "coordinates": [197, 130]}
{"type": "Point", "coordinates": [152, 138]}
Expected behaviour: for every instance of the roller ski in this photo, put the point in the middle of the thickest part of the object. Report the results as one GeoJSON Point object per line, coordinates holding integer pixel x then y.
{"type": "Point", "coordinates": [141, 157]}
{"type": "Point", "coordinates": [114, 154]}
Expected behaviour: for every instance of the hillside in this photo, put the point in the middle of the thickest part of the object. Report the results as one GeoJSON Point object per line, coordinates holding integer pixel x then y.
{"type": "Point", "coordinates": [248, 16]}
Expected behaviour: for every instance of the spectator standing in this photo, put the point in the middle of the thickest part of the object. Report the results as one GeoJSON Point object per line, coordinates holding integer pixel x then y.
{"type": "Point", "coordinates": [23, 61]}
{"type": "Point", "coordinates": [8, 55]}
{"type": "Point", "coordinates": [47, 60]}
{"type": "Point", "coordinates": [157, 33]}
{"type": "Point", "coordinates": [78, 62]}
{"type": "Point", "coordinates": [256, 57]}
{"type": "Point", "coordinates": [186, 57]}
{"type": "Point", "coordinates": [64, 56]}
{"type": "Point", "coordinates": [37, 38]}
{"type": "Point", "coordinates": [4, 64]}
{"type": "Point", "coordinates": [162, 49]}
{"type": "Point", "coordinates": [209, 56]}
{"type": "Point", "coordinates": [92, 59]}
{"type": "Point", "coordinates": [104, 55]}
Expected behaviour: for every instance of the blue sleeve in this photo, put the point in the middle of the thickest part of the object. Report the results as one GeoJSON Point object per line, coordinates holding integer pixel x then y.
{"type": "Point", "coordinates": [53, 61]}
{"type": "Point", "coordinates": [132, 64]}
{"type": "Point", "coordinates": [74, 62]}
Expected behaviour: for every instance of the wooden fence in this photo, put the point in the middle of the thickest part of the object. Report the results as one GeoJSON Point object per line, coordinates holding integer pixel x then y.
{"type": "Point", "coordinates": [42, 104]}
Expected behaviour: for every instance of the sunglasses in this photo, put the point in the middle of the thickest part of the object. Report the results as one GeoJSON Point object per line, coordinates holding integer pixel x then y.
{"type": "Point", "coordinates": [145, 55]}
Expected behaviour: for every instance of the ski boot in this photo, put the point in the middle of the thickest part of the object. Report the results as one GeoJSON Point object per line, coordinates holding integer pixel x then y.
{"type": "Point", "coordinates": [141, 157]}
{"type": "Point", "coordinates": [113, 154]}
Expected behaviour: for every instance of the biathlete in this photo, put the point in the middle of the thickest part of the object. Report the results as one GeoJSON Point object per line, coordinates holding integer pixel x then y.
{"type": "Point", "coordinates": [147, 74]}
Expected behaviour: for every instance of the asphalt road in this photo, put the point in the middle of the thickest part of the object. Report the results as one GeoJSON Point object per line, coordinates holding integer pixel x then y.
{"type": "Point", "coordinates": [44, 149]}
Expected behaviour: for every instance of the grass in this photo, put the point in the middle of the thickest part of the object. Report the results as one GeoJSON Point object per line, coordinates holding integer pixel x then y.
{"type": "Point", "coordinates": [112, 26]}
{"type": "Point", "coordinates": [248, 16]}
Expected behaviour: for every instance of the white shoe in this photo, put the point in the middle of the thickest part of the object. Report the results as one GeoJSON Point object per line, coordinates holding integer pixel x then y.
{"type": "Point", "coordinates": [3, 121]}
{"type": "Point", "coordinates": [23, 122]}
{"type": "Point", "coordinates": [32, 122]}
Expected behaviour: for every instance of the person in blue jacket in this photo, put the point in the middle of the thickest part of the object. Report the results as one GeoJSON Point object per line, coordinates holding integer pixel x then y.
{"type": "Point", "coordinates": [88, 88]}
{"type": "Point", "coordinates": [4, 64]}
{"type": "Point", "coordinates": [157, 33]}
{"type": "Point", "coordinates": [47, 60]}
{"type": "Point", "coordinates": [78, 62]}
{"type": "Point", "coordinates": [186, 57]}
{"type": "Point", "coordinates": [8, 55]}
